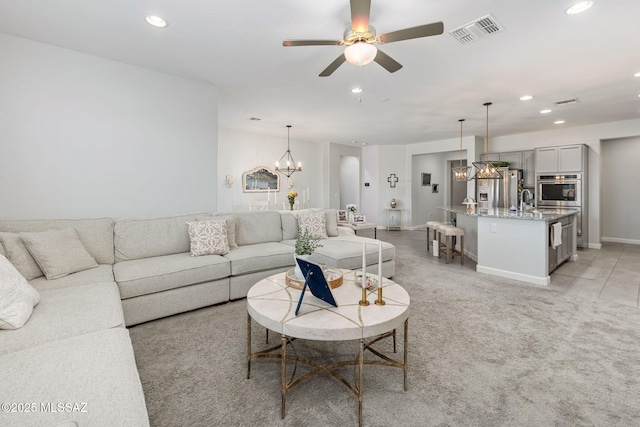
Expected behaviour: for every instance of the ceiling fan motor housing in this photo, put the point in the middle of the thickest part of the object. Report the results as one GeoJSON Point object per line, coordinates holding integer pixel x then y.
{"type": "Point", "coordinates": [351, 36]}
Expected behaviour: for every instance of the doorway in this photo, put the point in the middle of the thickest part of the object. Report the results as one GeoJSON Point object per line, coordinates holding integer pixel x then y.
{"type": "Point", "coordinates": [349, 181]}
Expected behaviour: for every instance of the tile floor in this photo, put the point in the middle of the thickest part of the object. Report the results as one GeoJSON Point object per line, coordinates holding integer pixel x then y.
{"type": "Point", "coordinates": [610, 274]}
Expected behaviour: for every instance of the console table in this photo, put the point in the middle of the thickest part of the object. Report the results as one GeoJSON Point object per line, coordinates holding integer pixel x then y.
{"type": "Point", "coordinates": [271, 303]}
{"type": "Point", "coordinates": [394, 219]}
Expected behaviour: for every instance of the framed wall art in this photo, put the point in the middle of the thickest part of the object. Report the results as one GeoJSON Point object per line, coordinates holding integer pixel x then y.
{"type": "Point", "coordinates": [426, 179]}
{"type": "Point", "coordinates": [342, 216]}
{"type": "Point", "coordinates": [260, 179]}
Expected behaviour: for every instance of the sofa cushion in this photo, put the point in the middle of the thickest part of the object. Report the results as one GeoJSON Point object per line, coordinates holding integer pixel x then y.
{"type": "Point", "coordinates": [314, 224]}
{"type": "Point", "coordinates": [17, 253]}
{"type": "Point", "coordinates": [145, 238]}
{"type": "Point", "coordinates": [97, 371]}
{"type": "Point", "coordinates": [259, 257]}
{"type": "Point", "coordinates": [58, 252]}
{"type": "Point", "coordinates": [290, 222]}
{"type": "Point", "coordinates": [257, 227]}
{"type": "Point", "coordinates": [150, 275]}
{"type": "Point", "coordinates": [96, 234]}
{"type": "Point", "coordinates": [346, 252]}
{"type": "Point", "coordinates": [17, 297]}
{"type": "Point", "coordinates": [64, 313]}
{"type": "Point", "coordinates": [208, 237]}
{"type": "Point", "coordinates": [102, 273]}
{"type": "Point", "coordinates": [231, 230]}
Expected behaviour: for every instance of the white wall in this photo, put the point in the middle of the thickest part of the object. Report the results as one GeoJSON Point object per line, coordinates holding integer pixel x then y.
{"type": "Point", "coordinates": [333, 154]}
{"type": "Point", "coordinates": [370, 175]}
{"type": "Point", "coordinates": [424, 201]}
{"type": "Point", "coordinates": [83, 136]}
{"type": "Point", "coordinates": [349, 180]}
{"type": "Point", "coordinates": [242, 151]}
{"type": "Point", "coordinates": [621, 183]}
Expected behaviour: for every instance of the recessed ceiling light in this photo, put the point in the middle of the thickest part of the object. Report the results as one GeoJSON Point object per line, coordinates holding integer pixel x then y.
{"type": "Point", "coordinates": [156, 21]}
{"type": "Point", "coordinates": [637, 74]}
{"type": "Point", "coordinates": [357, 90]}
{"type": "Point", "coordinates": [579, 7]}
{"type": "Point", "coordinates": [526, 97]}
{"type": "Point", "coordinates": [558, 122]}
{"type": "Point", "coordinates": [545, 111]}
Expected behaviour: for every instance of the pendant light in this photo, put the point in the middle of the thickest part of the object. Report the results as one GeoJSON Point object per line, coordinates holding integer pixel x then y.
{"type": "Point", "coordinates": [487, 169]}
{"type": "Point", "coordinates": [291, 164]}
{"type": "Point", "coordinates": [461, 173]}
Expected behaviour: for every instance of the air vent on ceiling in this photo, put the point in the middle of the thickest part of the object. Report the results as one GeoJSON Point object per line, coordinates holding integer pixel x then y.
{"type": "Point", "coordinates": [477, 29]}
{"type": "Point", "coordinates": [566, 101]}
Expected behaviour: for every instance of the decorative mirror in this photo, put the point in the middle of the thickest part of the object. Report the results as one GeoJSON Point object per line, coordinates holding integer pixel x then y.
{"type": "Point", "coordinates": [260, 179]}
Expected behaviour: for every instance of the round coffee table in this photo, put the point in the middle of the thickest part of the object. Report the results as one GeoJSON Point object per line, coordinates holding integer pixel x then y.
{"type": "Point", "coordinates": [271, 303]}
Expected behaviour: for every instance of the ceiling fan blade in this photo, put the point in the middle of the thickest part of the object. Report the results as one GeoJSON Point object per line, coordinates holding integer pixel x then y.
{"type": "Point", "coordinates": [387, 62]}
{"type": "Point", "coordinates": [427, 30]}
{"type": "Point", "coordinates": [311, 42]}
{"type": "Point", "coordinates": [333, 66]}
{"type": "Point", "coordinates": [360, 10]}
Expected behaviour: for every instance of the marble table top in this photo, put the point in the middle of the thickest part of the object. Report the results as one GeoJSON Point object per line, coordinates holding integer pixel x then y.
{"type": "Point", "coordinates": [272, 303]}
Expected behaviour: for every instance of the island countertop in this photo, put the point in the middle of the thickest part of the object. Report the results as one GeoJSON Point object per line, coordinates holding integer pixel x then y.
{"type": "Point", "coordinates": [547, 214]}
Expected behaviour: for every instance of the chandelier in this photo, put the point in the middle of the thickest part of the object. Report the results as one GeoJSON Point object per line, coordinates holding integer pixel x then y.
{"type": "Point", "coordinates": [291, 164]}
{"type": "Point", "coordinates": [487, 169]}
{"type": "Point", "coordinates": [461, 173]}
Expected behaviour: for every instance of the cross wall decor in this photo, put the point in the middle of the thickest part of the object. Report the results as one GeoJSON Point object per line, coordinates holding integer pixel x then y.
{"type": "Point", "coordinates": [392, 180]}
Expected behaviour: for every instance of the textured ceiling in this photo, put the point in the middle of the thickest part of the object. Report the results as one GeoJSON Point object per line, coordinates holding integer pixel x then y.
{"type": "Point", "coordinates": [237, 46]}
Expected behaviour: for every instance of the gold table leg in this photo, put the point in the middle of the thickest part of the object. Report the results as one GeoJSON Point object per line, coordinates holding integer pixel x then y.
{"type": "Point", "coordinates": [248, 346]}
{"type": "Point", "coordinates": [406, 341]}
{"type": "Point", "coordinates": [360, 380]}
{"type": "Point", "coordinates": [284, 375]}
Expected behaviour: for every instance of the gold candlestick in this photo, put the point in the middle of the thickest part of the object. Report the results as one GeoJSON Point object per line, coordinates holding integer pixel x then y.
{"type": "Point", "coordinates": [364, 297]}
{"type": "Point", "coordinates": [380, 301]}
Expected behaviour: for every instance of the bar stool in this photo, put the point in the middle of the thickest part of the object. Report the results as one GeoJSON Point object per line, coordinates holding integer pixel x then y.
{"type": "Point", "coordinates": [450, 234]}
{"type": "Point", "coordinates": [431, 225]}
{"type": "Point", "coordinates": [438, 235]}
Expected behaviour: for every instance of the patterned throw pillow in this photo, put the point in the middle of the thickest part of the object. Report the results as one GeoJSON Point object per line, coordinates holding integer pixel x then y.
{"type": "Point", "coordinates": [314, 224]}
{"type": "Point", "coordinates": [17, 297]}
{"type": "Point", "coordinates": [208, 237]}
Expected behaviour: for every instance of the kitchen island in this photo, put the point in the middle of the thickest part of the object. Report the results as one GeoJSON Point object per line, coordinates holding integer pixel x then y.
{"type": "Point", "coordinates": [518, 245]}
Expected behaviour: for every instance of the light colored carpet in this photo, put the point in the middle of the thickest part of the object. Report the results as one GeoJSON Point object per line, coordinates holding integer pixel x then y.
{"type": "Point", "coordinates": [483, 351]}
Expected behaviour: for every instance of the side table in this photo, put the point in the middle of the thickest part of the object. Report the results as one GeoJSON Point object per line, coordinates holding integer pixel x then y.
{"type": "Point", "coordinates": [394, 219]}
{"type": "Point", "coordinates": [355, 226]}
{"type": "Point", "coordinates": [271, 303]}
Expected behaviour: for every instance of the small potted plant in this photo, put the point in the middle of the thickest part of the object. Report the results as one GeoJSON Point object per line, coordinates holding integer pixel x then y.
{"type": "Point", "coordinates": [305, 245]}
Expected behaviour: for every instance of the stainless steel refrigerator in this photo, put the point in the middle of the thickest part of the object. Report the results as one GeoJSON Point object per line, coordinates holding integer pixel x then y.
{"type": "Point", "coordinates": [500, 193]}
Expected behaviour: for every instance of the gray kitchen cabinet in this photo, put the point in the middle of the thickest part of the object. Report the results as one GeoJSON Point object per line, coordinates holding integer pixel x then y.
{"type": "Point", "coordinates": [565, 158]}
{"type": "Point", "coordinates": [514, 158]}
{"type": "Point", "coordinates": [570, 158]}
{"type": "Point", "coordinates": [529, 168]}
{"type": "Point", "coordinates": [492, 157]}
{"type": "Point", "coordinates": [547, 160]}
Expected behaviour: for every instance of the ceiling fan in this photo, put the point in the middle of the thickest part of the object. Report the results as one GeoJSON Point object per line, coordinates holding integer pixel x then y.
{"type": "Point", "coordinates": [360, 40]}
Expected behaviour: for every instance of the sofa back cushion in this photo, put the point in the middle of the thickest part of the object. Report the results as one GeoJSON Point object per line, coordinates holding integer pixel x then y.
{"type": "Point", "coordinates": [136, 238]}
{"type": "Point", "coordinates": [256, 227]}
{"type": "Point", "coordinates": [290, 222]}
{"type": "Point", "coordinates": [96, 234]}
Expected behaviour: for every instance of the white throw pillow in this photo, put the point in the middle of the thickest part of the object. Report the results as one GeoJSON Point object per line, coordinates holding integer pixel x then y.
{"type": "Point", "coordinates": [208, 237]}
{"type": "Point", "coordinates": [58, 252]}
{"type": "Point", "coordinates": [314, 224]}
{"type": "Point", "coordinates": [17, 297]}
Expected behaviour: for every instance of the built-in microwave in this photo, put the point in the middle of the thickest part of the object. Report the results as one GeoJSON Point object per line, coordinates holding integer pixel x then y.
{"type": "Point", "coordinates": [559, 190]}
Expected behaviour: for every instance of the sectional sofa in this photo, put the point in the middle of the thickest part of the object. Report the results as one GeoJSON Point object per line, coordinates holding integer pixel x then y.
{"type": "Point", "coordinates": [73, 359]}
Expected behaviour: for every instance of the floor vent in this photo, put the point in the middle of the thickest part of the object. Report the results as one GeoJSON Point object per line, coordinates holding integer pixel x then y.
{"type": "Point", "coordinates": [478, 29]}
{"type": "Point", "coordinates": [566, 101]}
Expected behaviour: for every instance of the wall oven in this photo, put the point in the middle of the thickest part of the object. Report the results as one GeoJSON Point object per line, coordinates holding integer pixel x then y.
{"type": "Point", "coordinates": [562, 191]}
{"type": "Point", "coordinates": [559, 190]}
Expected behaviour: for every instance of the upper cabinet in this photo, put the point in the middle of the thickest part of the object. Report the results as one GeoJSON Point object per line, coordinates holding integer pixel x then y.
{"type": "Point", "coordinates": [524, 160]}
{"type": "Point", "coordinates": [566, 158]}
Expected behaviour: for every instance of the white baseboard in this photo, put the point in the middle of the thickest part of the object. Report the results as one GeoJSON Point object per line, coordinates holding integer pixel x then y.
{"type": "Point", "coordinates": [541, 281]}
{"type": "Point", "coordinates": [617, 240]}
{"type": "Point", "coordinates": [594, 245]}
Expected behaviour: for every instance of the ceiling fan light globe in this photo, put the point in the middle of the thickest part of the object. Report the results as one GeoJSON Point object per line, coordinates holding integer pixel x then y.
{"type": "Point", "coordinates": [360, 53]}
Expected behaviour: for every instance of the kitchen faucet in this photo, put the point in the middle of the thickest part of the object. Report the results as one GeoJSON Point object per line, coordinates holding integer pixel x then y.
{"type": "Point", "coordinates": [529, 196]}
